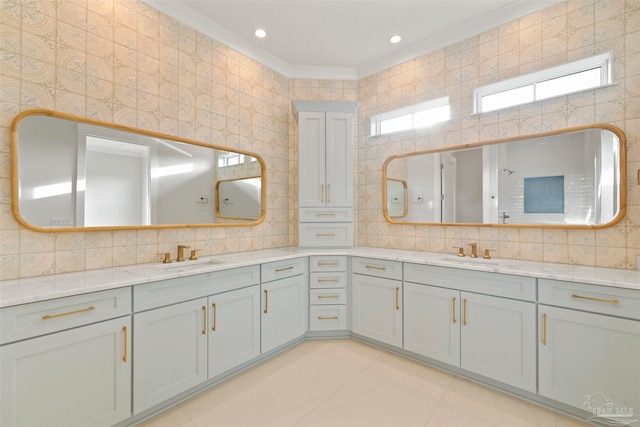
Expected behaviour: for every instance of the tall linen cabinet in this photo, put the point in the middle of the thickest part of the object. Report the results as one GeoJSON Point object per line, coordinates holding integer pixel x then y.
{"type": "Point", "coordinates": [325, 184]}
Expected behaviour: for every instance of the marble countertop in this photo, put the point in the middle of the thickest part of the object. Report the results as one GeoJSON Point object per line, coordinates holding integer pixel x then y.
{"type": "Point", "coordinates": [22, 291]}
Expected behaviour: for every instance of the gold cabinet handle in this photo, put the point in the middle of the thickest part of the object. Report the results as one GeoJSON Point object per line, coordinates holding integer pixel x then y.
{"type": "Point", "coordinates": [68, 313]}
{"type": "Point", "coordinates": [322, 193]}
{"type": "Point", "coordinates": [328, 318]}
{"type": "Point", "coordinates": [325, 235]}
{"type": "Point", "coordinates": [453, 307]}
{"type": "Point", "coordinates": [464, 312]}
{"type": "Point", "coordinates": [397, 298]}
{"type": "Point", "coordinates": [319, 214]}
{"type": "Point", "coordinates": [124, 347]}
{"type": "Point", "coordinates": [328, 264]}
{"type": "Point", "coordinates": [328, 296]}
{"type": "Point", "coordinates": [610, 301]}
{"type": "Point", "coordinates": [328, 193]}
{"type": "Point", "coordinates": [278, 270]}
{"type": "Point", "coordinates": [266, 301]}
{"type": "Point", "coordinates": [544, 329]}
{"type": "Point", "coordinates": [371, 267]}
{"type": "Point", "coordinates": [204, 315]}
{"type": "Point", "coordinates": [215, 316]}
{"type": "Point", "coordinates": [328, 280]}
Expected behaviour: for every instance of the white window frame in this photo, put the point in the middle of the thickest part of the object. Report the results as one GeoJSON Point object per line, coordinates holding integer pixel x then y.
{"type": "Point", "coordinates": [376, 121]}
{"type": "Point", "coordinates": [602, 61]}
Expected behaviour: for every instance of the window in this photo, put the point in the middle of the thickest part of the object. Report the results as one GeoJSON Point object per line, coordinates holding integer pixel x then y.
{"type": "Point", "coordinates": [414, 117]}
{"type": "Point", "coordinates": [226, 158]}
{"type": "Point", "coordinates": [564, 79]}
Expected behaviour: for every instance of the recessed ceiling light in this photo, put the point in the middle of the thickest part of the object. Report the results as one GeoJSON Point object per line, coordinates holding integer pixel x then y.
{"type": "Point", "coordinates": [260, 33]}
{"type": "Point", "coordinates": [395, 38]}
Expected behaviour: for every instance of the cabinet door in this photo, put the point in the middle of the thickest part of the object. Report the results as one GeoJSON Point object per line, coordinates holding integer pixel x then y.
{"type": "Point", "coordinates": [284, 311]}
{"type": "Point", "coordinates": [78, 377]}
{"type": "Point", "coordinates": [498, 339]}
{"type": "Point", "coordinates": [170, 347]}
{"type": "Point", "coordinates": [339, 159]}
{"type": "Point", "coordinates": [432, 322]}
{"type": "Point", "coordinates": [312, 159]}
{"type": "Point", "coordinates": [376, 309]}
{"type": "Point", "coordinates": [234, 337]}
{"type": "Point", "coordinates": [589, 360]}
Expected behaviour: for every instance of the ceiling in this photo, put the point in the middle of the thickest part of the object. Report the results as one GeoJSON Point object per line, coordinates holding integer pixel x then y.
{"type": "Point", "coordinates": [342, 39]}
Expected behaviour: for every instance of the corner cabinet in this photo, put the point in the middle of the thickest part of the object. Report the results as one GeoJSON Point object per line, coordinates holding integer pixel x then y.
{"type": "Point", "coordinates": [325, 138]}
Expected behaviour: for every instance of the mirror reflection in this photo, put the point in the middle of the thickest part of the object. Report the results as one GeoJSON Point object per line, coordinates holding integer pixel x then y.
{"type": "Point", "coordinates": [73, 173]}
{"type": "Point", "coordinates": [574, 177]}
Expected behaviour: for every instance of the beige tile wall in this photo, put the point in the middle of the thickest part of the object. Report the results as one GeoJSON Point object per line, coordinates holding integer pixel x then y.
{"type": "Point", "coordinates": [568, 31]}
{"type": "Point", "coordinates": [121, 61]}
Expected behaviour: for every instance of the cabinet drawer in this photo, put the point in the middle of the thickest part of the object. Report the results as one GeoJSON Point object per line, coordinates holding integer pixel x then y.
{"type": "Point", "coordinates": [327, 296]}
{"type": "Point", "coordinates": [281, 269]}
{"type": "Point", "coordinates": [172, 291]}
{"type": "Point", "coordinates": [327, 317]}
{"type": "Point", "coordinates": [328, 280]}
{"type": "Point", "coordinates": [598, 299]}
{"type": "Point", "coordinates": [377, 267]}
{"type": "Point", "coordinates": [327, 263]}
{"type": "Point", "coordinates": [324, 235]}
{"type": "Point", "coordinates": [503, 285]}
{"type": "Point", "coordinates": [40, 318]}
{"type": "Point", "coordinates": [326, 215]}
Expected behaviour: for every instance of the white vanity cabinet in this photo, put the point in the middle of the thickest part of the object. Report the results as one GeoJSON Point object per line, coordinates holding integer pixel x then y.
{"type": "Point", "coordinates": [460, 317]}
{"type": "Point", "coordinates": [589, 348]}
{"type": "Point", "coordinates": [284, 302]}
{"type": "Point", "coordinates": [325, 139]}
{"type": "Point", "coordinates": [67, 370]}
{"type": "Point", "coordinates": [175, 346]}
{"type": "Point", "coordinates": [328, 293]}
{"type": "Point", "coordinates": [376, 309]}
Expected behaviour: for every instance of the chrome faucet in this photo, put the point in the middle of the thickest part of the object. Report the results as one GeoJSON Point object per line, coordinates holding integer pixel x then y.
{"type": "Point", "coordinates": [181, 249]}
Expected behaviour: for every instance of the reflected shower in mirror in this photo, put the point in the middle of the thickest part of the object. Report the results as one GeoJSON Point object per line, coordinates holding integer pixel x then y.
{"type": "Point", "coordinates": [574, 177]}
{"type": "Point", "coordinates": [71, 173]}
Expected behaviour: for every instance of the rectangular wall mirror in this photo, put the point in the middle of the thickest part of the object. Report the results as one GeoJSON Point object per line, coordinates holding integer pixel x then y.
{"type": "Point", "coordinates": [570, 178]}
{"type": "Point", "coordinates": [71, 173]}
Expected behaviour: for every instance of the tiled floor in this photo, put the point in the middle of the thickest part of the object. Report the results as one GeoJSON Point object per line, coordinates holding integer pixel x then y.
{"type": "Point", "coordinates": [347, 383]}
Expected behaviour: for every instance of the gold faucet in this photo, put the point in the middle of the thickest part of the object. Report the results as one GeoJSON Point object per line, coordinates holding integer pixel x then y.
{"type": "Point", "coordinates": [181, 249]}
{"type": "Point", "coordinates": [474, 250]}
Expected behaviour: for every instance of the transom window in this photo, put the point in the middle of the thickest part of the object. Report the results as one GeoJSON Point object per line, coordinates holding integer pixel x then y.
{"type": "Point", "coordinates": [413, 117]}
{"type": "Point", "coordinates": [564, 79]}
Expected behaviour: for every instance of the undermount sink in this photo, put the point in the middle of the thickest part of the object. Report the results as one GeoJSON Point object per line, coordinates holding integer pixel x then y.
{"type": "Point", "coordinates": [186, 265]}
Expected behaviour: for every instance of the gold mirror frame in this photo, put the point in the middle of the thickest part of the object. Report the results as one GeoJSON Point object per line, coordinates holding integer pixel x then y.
{"type": "Point", "coordinates": [622, 186]}
{"type": "Point", "coordinates": [15, 180]}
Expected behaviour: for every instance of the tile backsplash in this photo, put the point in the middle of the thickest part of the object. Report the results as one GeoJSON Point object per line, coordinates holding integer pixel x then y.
{"type": "Point", "coordinates": [123, 62]}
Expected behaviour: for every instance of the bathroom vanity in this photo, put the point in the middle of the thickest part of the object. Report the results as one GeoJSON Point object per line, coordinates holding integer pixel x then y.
{"type": "Point", "coordinates": [122, 344]}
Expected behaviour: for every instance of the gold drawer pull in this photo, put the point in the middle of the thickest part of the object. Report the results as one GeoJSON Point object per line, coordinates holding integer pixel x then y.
{"type": "Point", "coordinates": [328, 264]}
{"type": "Point", "coordinates": [376, 268]}
{"type": "Point", "coordinates": [283, 269]}
{"type": "Point", "coordinates": [328, 318]}
{"type": "Point", "coordinates": [453, 306]}
{"type": "Point", "coordinates": [124, 340]}
{"type": "Point", "coordinates": [326, 214]}
{"type": "Point", "coordinates": [328, 296]}
{"type": "Point", "coordinates": [544, 329]}
{"type": "Point", "coordinates": [325, 235]}
{"type": "Point", "coordinates": [610, 301]}
{"type": "Point", "coordinates": [68, 313]}
{"type": "Point", "coordinates": [328, 280]}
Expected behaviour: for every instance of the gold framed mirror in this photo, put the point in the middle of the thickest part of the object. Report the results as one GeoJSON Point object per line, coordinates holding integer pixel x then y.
{"type": "Point", "coordinates": [570, 178]}
{"type": "Point", "coordinates": [71, 173]}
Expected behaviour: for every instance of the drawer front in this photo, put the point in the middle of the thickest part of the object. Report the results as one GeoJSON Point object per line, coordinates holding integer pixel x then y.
{"type": "Point", "coordinates": [328, 280]}
{"type": "Point", "coordinates": [327, 263]}
{"type": "Point", "coordinates": [377, 268]}
{"type": "Point", "coordinates": [327, 296]}
{"type": "Point", "coordinates": [502, 285]}
{"type": "Point", "coordinates": [327, 317]}
{"type": "Point", "coordinates": [325, 235]}
{"type": "Point", "coordinates": [281, 269]}
{"type": "Point", "coordinates": [40, 318]}
{"type": "Point", "coordinates": [172, 291]}
{"type": "Point", "coordinates": [598, 299]}
{"type": "Point", "coordinates": [326, 215]}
